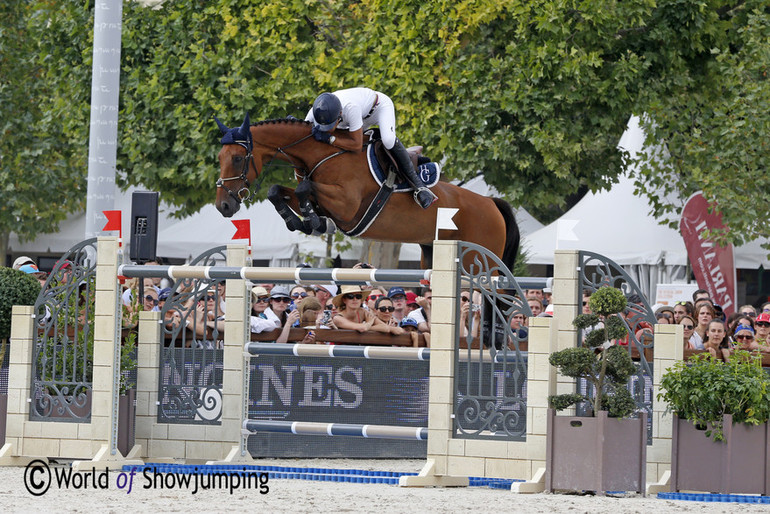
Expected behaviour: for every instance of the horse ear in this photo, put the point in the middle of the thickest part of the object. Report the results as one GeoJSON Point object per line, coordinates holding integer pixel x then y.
{"type": "Point", "coordinates": [222, 127]}
{"type": "Point", "coordinates": [246, 123]}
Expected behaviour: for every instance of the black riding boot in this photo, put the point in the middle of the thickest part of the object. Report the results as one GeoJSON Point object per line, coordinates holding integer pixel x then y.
{"type": "Point", "coordinates": [422, 195]}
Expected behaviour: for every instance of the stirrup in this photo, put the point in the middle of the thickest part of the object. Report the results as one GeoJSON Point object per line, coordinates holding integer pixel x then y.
{"type": "Point", "coordinates": [417, 199]}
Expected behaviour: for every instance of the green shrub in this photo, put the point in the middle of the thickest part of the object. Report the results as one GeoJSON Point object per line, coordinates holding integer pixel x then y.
{"type": "Point", "coordinates": [606, 366]}
{"type": "Point", "coordinates": [703, 389]}
{"type": "Point", "coordinates": [16, 288]}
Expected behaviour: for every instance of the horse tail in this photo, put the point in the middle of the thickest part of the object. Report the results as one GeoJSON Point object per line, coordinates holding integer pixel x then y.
{"type": "Point", "coordinates": [512, 237]}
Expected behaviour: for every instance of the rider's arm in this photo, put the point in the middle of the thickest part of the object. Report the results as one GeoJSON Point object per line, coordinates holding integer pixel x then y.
{"type": "Point", "coordinates": [347, 140]}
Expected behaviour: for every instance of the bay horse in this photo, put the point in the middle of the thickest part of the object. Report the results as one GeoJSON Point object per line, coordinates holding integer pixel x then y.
{"type": "Point", "coordinates": [337, 185]}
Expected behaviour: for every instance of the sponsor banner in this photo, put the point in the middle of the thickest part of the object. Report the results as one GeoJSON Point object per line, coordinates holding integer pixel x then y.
{"type": "Point", "coordinates": [713, 266]}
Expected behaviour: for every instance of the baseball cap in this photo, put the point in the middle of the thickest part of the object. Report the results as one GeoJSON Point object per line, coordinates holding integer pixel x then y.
{"type": "Point", "coordinates": [409, 322]}
{"type": "Point", "coordinates": [411, 298]}
{"type": "Point", "coordinates": [21, 261]}
{"type": "Point", "coordinates": [395, 291]}
{"type": "Point", "coordinates": [29, 268]}
{"type": "Point", "coordinates": [279, 292]}
{"type": "Point", "coordinates": [765, 316]}
{"type": "Point", "coordinates": [164, 293]}
{"type": "Point", "coordinates": [258, 291]}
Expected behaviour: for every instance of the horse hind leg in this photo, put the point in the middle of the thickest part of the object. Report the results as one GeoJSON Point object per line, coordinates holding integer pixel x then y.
{"type": "Point", "coordinates": [278, 196]}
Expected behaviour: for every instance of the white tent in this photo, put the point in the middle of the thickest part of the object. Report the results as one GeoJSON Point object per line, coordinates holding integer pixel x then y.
{"type": "Point", "coordinates": [191, 236]}
{"type": "Point", "coordinates": [618, 225]}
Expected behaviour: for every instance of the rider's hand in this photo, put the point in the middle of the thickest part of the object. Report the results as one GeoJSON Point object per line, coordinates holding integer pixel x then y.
{"type": "Point", "coordinates": [320, 135]}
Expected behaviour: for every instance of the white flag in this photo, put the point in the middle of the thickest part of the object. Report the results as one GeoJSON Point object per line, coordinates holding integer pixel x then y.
{"type": "Point", "coordinates": [565, 231]}
{"type": "Point", "coordinates": [444, 219]}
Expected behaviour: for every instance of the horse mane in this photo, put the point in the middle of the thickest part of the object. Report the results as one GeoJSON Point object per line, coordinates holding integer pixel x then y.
{"type": "Point", "coordinates": [280, 121]}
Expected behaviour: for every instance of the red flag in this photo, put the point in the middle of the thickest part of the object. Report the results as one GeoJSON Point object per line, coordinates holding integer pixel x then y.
{"type": "Point", "coordinates": [113, 221]}
{"type": "Point", "coordinates": [243, 229]}
{"type": "Point", "coordinates": [713, 266]}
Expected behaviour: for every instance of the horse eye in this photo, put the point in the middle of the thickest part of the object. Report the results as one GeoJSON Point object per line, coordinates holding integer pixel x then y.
{"type": "Point", "coordinates": [238, 159]}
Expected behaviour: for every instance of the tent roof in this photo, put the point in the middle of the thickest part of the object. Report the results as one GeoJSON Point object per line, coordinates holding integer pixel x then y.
{"type": "Point", "coordinates": [618, 224]}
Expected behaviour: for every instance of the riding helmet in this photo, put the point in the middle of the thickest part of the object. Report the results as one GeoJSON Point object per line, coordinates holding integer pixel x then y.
{"type": "Point", "coordinates": [327, 109]}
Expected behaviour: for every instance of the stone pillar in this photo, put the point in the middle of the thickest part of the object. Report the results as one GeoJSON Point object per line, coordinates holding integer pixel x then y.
{"type": "Point", "coordinates": [236, 365]}
{"type": "Point", "coordinates": [669, 349]}
{"type": "Point", "coordinates": [442, 363]}
{"type": "Point", "coordinates": [566, 305]}
{"type": "Point", "coordinates": [19, 380]}
{"type": "Point", "coordinates": [149, 344]}
{"type": "Point", "coordinates": [106, 366]}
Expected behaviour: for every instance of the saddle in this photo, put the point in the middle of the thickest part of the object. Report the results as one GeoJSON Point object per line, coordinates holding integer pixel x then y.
{"type": "Point", "coordinates": [381, 162]}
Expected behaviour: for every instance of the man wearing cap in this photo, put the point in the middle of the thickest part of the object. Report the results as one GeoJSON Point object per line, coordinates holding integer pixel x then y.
{"type": "Point", "coordinates": [417, 312]}
{"type": "Point", "coordinates": [31, 269]}
{"type": "Point", "coordinates": [410, 326]}
{"type": "Point", "coordinates": [744, 337]}
{"type": "Point", "coordinates": [324, 291]}
{"type": "Point", "coordinates": [762, 325]}
{"type": "Point", "coordinates": [398, 296]}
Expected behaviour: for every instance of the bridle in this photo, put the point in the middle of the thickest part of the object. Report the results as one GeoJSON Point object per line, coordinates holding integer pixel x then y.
{"type": "Point", "coordinates": [245, 193]}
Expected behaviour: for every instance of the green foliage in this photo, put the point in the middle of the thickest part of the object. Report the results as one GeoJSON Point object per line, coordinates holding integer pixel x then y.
{"type": "Point", "coordinates": [535, 94]}
{"type": "Point", "coordinates": [607, 301]}
{"type": "Point", "coordinates": [604, 365]}
{"type": "Point", "coordinates": [703, 389]}
{"type": "Point", "coordinates": [16, 288]}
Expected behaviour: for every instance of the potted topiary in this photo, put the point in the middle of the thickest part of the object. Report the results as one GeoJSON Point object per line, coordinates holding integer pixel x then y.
{"type": "Point", "coordinates": [720, 433]}
{"type": "Point", "coordinates": [604, 452]}
{"type": "Point", "coordinates": [16, 288]}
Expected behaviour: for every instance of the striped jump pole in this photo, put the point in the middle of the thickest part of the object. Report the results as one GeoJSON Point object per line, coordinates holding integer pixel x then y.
{"type": "Point", "coordinates": [251, 426]}
{"type": "Point", "coordinates": [366, 352]}
{"type": "Point", "coordinates": [340, 276]}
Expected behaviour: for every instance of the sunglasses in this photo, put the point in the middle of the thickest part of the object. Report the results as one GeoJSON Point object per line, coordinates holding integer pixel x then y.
{"type": "Point", "coordinates": [687, 327]}
{"type": "Point", "coordinates": [681, 303]}
{"type": "Point", "coordinates": [284, 299]}
{"type": "Point", "coordinates": [386, 309]}
{"type": "Point", "coordinates": [585, 303]}
{"type": "Point", "coordinates": [374, 296]}
{"type": "Point", "coordinates": [208, 297]}
{"type": "Point", "coordinates": [464, 298]}
{"type": "Point", "coordinates": [329, 307]}
{"type": "Point", "coordinates": [299, 295]}
{"type": "Point", "coordinates": [152, 299]}
{"type": "Point", "coordinates": [763, 324]}
{"type": "Point", "coordinates": [748, 337]}
{"type": "Point", "coordinates": [262, 299]}
{"type": "Point", "coordinates": [353, 296]}
{"type": "Point", "coordinates": [749, 314]}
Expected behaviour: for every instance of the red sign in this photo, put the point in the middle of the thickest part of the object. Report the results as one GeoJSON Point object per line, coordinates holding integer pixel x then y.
{"type": "Point", "coordinates": [243, 230]}
{"type": "Point", "coordinates": [713, 266]}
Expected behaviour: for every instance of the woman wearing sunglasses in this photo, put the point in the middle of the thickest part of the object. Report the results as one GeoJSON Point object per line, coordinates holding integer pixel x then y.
{"type": "Point", "coordinates": [744, 338]}
{"type": "Point", "coordinates": [350, 312]}
{"type": "Point", "coordinates": [688, 326]}
{"type": "Point", "coordinates": [277, 312]}
{"type": "Point", "coordinates": [374, 295]}
{"type": "Point", "coordinates": [383, 309]}
{"type": "Point", "coordinates": [258, 320]}
{"type": "Point", "coordinates": [297, 294]}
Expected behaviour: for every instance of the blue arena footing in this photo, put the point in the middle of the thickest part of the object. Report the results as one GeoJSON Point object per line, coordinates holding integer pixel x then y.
{"type": "Point", "coordinates": [715, 498]}
{"type": "Point", "coordinates": [359, 476]}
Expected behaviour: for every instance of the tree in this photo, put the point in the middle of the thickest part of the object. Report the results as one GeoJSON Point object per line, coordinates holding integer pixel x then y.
{"type": "Point", "coordinates": [536, 94]}
{"type": "Point", "coordinates": [41, 163]}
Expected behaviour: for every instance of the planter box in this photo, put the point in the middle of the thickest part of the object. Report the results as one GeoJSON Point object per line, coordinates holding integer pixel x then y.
{"type": "Point", "coordinates": [596, 454]}
{"type": "Point", "coordinates": [126, 421]}
{"type": "Point", "coordinates": [737, 465]}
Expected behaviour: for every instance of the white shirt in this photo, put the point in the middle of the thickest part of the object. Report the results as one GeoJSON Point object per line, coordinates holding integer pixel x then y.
{"type": "Point", "coordinates": [356, 103]}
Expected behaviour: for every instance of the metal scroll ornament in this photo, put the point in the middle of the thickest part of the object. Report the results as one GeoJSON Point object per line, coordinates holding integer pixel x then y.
{"type": "Point", "coordinates": [598, 271]}
{"type": "Point", "coordinates": [190, 381]}
{"type": "Point", "coordinates": [491, 368]}
{"type": "Point", "coordinates": [62, 364]}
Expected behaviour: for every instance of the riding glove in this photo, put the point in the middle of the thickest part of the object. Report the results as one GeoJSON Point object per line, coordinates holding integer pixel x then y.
{"type": "Point", "coordinates": [320, 135]}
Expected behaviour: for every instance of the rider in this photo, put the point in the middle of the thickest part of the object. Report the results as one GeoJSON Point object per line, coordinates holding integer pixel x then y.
{"type": "Point", "coordinates": [356, 110]}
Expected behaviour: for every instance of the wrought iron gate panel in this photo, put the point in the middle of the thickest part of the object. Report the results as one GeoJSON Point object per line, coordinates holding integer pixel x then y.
{"type": "Point", "coordinates": [62, 363]}
{"type": "Point", "coordinates": [639, 316]}
{"type": "Point", "coordinates": [190, 374]}
{"type": "Point", "coordinates": [491, 371]}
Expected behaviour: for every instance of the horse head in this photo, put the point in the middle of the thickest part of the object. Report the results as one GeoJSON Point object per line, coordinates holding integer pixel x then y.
{"type": "Point", "coordinates": [237, 167]}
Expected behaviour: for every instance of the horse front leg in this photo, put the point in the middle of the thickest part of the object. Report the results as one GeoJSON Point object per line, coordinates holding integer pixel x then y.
{"type": "Point", "coordinates": [303, 192]}
{"type": "Point", "coordinates": [281, 197]}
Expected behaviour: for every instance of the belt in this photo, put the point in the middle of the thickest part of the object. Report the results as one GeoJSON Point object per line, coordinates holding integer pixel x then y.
{"type": "Point", "coordinates": [374, 106]}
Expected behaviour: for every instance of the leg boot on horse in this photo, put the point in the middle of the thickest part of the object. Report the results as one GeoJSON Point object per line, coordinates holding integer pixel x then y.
{"type": "Point", "coordinates": [422, 195]}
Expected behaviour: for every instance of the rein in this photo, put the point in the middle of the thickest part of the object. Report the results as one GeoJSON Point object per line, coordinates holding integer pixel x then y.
{"type": "Point", "coordinates": [245, 194]}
